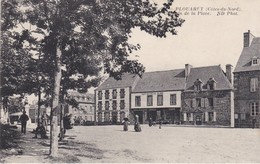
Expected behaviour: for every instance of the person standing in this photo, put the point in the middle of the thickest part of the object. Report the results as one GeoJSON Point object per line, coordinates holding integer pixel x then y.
{"type": "Point", "coordinates": [137, 126]}
{"type": "Point", "coordinates": [45, 120]}
{"type": "Point", "coordinates": [160, 124]}
{"type": "Point", "coordinates": [24, 118]}
{"type": "Point", "coordinates": [150, 122]}
{"type": "Point", "coordinates": [125, 122]}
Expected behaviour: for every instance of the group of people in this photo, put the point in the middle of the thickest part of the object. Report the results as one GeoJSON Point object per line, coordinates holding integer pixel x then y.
{"type": "Point", "coordinates": [41, 127]}
{"type": "Point", "coordinates": [137, 126]}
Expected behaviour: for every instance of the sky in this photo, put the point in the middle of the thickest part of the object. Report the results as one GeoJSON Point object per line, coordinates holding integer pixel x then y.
{"type": "Point", "coordinates": [203, 40]}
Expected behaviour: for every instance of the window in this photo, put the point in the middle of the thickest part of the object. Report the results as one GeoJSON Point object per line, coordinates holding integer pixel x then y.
{"type": "Point", "coordinates": [198, 85]}
{"type": "Point", "coordinates": [107, 94]}
{"type": "Point", "coordinates": [253, 84]}
{"type": "Point", "coordinates": [99, 95]}
{"type": "Point", "coordinates": [198, 102]}
{"type": "Point", "coordinates": [159, 100]}
{"type": "Point", "coordinates": [243, 116]}
{"type": "Point", "coordinates": [137, 100]}
{"type": "Point", "coordinates": [210, 101]}
{"type": "Point", "coordinates": [211, 84]}
{"type": "Point", "coordinates": [114, 106]}
{"type": "Point", "coordinates": [100, 105]}
{"type": "Point", "coordinates": [99, 117]}
{"type": "Point", "coordinates": [107, 105]}
{"type": "Point", "coordinates": [254, 108]}
{"type": "Point", "coordinates": [107, 117]}
{"type": "Point", "coordinates": [211, 116]}
{"type": "Point", "coordinates": [173, 99]}
{"type": "Point", "coordinates": [254, 60]}
{"type": "Point", "coordinates": [122, 104]}
{"type": "Point", "coordinates": [91, 109]}
{"type": "Point", "coordinates": [114, 94]}
{"type": "Point", "coordinates": [149, 100]}
{"type": "Point", "coordinates": [189, 116]}
{"type": "Point", "coordinates": [122, 93]}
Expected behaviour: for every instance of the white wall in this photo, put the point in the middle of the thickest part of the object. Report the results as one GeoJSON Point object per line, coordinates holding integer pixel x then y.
{"type": "Point", "coordinates": [166, 99]}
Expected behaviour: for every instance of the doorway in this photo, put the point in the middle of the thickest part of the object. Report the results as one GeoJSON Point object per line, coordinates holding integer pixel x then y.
{"type": "Point", "coordinates": [198, 120]}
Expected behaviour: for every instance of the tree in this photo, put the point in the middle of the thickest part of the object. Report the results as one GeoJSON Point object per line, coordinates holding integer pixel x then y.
{"type": "Point", "coordinates": [80, 38]}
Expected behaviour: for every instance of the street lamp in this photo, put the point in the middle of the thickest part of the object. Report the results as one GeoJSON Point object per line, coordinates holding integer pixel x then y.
{"type": "Point", "coordinates": [39, 99]}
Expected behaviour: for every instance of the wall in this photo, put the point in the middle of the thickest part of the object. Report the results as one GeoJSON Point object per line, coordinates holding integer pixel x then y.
{"type": "Point", "coordinates": [222, 106]}
{"type": "Point", "coordinates": [166, 99]}
{"type": "Point", "coordinates": [110, 100]}
{"type": "Point", "coordinates": [243, 97]}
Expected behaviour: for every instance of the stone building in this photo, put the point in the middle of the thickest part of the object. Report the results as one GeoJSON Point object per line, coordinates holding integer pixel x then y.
{"type": "Point", "coordinates": [246, 83]}
{"type": "Point", "coordinates": [113, 99]}
{"type": "Point", "coordinates": [157, 95]}
{"type": "Point", "coordinates": [208, 96]}
{"type": "Point", "coordinates": [86, 106]}
{"type": "Point", "coordinates": [194, 96]}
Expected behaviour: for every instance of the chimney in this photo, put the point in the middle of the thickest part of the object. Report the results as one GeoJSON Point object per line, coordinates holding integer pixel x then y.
{"type": "Point", "coordinates": [187, 70]}
{"type": "Point", "coordinates": [229, 74]}
{"type": "Point", "coordinates": [248, 37]}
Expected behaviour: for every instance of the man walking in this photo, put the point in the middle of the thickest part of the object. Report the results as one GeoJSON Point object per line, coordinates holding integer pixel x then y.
{"type": "Point", "coordinates": [24, 118]}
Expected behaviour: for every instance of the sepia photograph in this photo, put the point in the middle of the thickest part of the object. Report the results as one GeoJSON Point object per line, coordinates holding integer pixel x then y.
{"type": "Point", "coordinates": [130, 81]}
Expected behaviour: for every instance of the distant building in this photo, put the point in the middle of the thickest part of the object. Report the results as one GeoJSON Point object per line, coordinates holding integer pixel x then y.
{"type": "Point", "coordinates": [246, 83]}
{"type": "Point", "coordinates": [208, 97]}
{"type": "Point", "coordinates": [85, 110]}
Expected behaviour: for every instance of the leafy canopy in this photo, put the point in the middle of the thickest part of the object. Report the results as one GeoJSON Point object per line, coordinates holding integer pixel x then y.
{"type": "Point", "coordinates": [93, 36]}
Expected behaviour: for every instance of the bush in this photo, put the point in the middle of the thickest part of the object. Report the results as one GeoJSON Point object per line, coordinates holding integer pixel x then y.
{"type": "Point", "coordinates": [7, 136]}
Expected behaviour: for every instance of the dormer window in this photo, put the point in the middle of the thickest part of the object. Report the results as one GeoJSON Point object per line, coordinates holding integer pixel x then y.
{"type": "Point", "coordinates": [198, 85]}
{"type": "Point", "coordinates": [255, 61]}
{"type": "Point", "coordinates": [211, 84]}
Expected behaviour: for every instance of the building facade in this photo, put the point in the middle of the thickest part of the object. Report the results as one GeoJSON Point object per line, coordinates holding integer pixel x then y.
{"type": "Point", "coordinates": [246, 83]}
{"type": "Point", "coordinates": [208, 98]}
{"type": "Point", "coordinates": [157, 96]}
{"type": "Point", "coordinates": [113, 99]}
{"type": "Point", "coordinates": [86, 106]}
{"type": "Point", "coordinates": [191, 96]}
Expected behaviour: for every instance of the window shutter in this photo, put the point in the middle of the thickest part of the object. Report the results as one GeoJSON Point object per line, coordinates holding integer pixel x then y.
{"type": "Point", "coordinates": [214, 116]}
{"type": "Point", "coordinates": [206, 117]}
{"type": "Point", "coordinates": [203, 102]}
{"type": "Point", "coordinates": [256, 83]}
{"type": "Point", "coordinates": [251, 85]}
{"type": "Point", "coordinates": [206, 101]}
{"type": "Point", "coordinates": [184, 116]}
{"type": "Point", "coordinates": [193, 103]}
{"type": "Point", "coordinates": [191, 117]}
{"type": "Point", "coordinates": [214, 101]}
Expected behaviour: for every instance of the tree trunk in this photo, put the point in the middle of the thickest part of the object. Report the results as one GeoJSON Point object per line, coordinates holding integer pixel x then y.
{"type": "Point", "coordinates": [61, 122]}
{"type": "Point", "coordinates": [55, 107]}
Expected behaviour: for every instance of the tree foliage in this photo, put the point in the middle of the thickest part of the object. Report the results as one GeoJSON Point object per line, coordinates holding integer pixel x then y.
{"type": "Point", "coordinates": [92, 36]}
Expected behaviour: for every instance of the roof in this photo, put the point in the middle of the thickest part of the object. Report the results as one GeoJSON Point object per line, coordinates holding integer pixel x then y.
{"type": "Point", "coordinates": [161, 81]}
{"type": "Point", "coordinates": [127, 80]}
{"type": "Point", "coordinates": [82, 97]}
{"type": "Point", "coordinates": [244, 61]}
{"type": "Point", "coordinates": [205, 73]}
